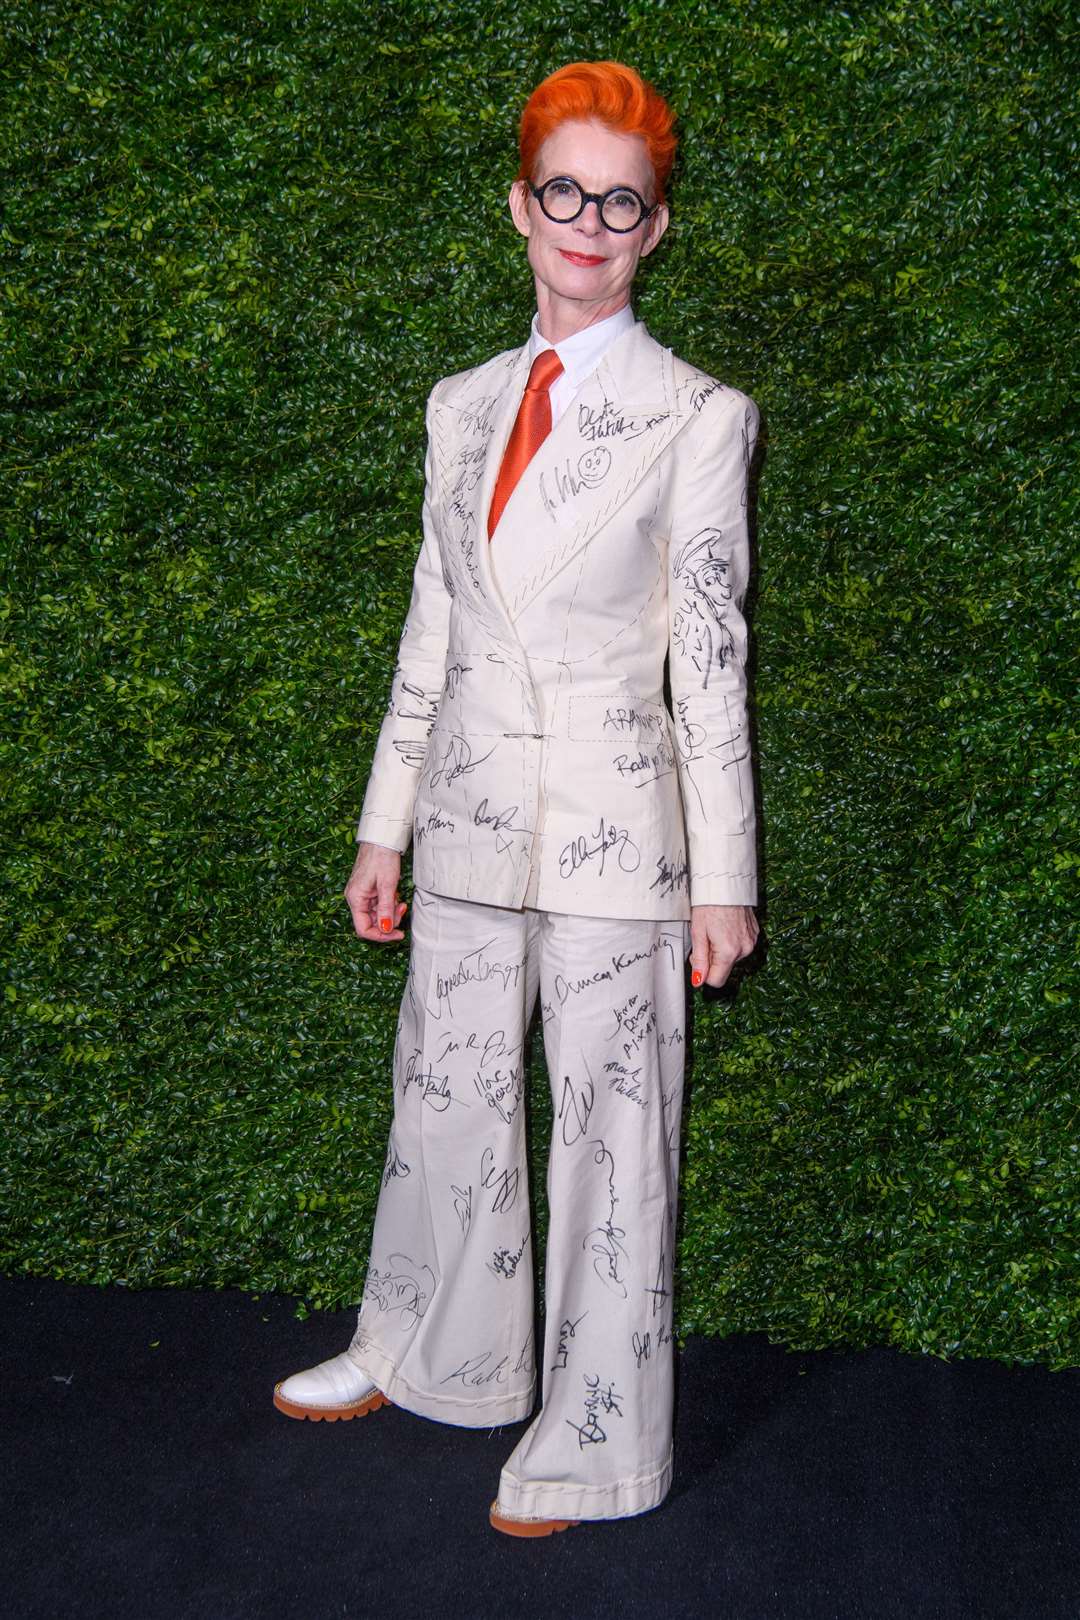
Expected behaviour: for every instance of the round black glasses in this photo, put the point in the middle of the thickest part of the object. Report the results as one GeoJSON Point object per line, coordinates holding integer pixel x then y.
{"type": "Point", "coordinates": [562, 199]}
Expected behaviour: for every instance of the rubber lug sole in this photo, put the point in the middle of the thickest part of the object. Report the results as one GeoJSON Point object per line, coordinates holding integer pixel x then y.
{"type": "Point", "coordinates": [329, 1414]}
{"type": "Point", "coordinates": [528, 1527]}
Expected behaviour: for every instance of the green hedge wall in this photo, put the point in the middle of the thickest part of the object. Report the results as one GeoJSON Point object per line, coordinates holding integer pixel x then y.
{"type": "Point", "coordinates": [241, 242]}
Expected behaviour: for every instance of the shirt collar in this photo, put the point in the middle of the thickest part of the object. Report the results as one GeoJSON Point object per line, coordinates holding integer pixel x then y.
{"type": "Point", "coordinates": [581, 352]}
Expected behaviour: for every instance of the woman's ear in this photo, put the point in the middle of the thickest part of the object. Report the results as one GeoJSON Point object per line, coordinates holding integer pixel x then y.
{"type": "Point", "coordinates": [519, 206]}
{"type": "Point", "coordinates": [655, 229]}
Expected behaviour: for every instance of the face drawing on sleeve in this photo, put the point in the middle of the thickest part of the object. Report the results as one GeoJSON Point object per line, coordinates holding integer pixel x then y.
{"type": "Point", "coordinates": [699, 623]}
{"type": "Point", "coordinates": [711, 580]}
{"type": "Point", "coordinates": [594, 465]}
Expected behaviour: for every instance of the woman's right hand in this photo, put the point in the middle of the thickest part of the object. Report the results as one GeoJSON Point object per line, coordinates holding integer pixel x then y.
{"type": "Point", "coordinates": [372, 893]}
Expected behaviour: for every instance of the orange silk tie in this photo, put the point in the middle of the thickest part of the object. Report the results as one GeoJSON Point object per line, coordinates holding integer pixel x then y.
{"type": "Point", "coordinates": [531, 427]}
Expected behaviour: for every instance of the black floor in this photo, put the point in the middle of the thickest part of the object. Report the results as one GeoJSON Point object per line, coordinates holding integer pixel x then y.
{"type": "Point", "coordinates": [148, 1474]}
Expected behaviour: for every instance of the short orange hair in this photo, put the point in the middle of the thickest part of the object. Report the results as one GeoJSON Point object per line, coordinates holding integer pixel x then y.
{"type": "Point", "coordinates": [611, 93]}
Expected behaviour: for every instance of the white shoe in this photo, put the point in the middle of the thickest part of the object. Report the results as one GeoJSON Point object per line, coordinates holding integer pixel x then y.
{"type": "Point", "coordinates": [333, 1389]}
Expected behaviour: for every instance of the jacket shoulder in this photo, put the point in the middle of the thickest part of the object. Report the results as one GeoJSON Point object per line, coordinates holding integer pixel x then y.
{"type": "Point", "coordinates": [462, 385]}
{"type": "Point", "coordinates": [701, 394]}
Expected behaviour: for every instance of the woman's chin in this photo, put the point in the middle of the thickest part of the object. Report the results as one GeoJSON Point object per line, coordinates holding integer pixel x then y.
{"type": "Point", "coordinates": [566, 280]}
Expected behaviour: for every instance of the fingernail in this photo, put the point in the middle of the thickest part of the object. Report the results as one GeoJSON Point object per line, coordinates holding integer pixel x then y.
{"type": "Point", "coordinates": [384, 924]}
{"type": "Point", "coordinates": [695, 978]}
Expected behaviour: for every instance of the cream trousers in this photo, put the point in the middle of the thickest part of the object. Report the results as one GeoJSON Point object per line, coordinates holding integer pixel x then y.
{"type": "Point", "coordinates": [445, 1327]}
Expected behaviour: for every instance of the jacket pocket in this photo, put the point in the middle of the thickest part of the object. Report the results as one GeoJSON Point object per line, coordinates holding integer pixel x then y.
{"type": "Point", "coordinates": [619, 755]}
{"type": "Point", "coordinates": [618, 719]}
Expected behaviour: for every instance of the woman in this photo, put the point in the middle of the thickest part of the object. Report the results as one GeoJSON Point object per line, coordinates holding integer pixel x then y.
{"type": "Point", "coordinates": [584, 520]}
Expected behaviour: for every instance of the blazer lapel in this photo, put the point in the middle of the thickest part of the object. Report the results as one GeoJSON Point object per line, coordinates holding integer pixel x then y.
{"type": "Point", "coordinates": [471, 430]}
{"type": "Point", "coordinates": [623, 416]}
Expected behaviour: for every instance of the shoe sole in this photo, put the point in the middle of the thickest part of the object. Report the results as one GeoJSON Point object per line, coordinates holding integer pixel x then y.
{"type": "Point", "coordinates": [329, 1414]}
{"type": "Point", "coordinates": [528, 1527]}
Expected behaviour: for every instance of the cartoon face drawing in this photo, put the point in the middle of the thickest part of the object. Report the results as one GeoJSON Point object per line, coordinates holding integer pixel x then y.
{"type": "Point", "coordinates": [711, 579]}
{"type": "Point", "coordinates": [703, 561]}
{"type": "Point", "coordinates": [594, 465]}
{"type": "Point", "coordinates": [699, 621]}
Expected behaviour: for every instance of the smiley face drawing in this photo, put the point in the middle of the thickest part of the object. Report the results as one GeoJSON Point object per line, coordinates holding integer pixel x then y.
{"type": "Point", "coordinates": [594, 465]}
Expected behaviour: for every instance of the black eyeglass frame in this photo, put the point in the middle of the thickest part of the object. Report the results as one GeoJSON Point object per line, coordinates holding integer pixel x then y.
{"type": "Point", "coordinates": [599, 198]}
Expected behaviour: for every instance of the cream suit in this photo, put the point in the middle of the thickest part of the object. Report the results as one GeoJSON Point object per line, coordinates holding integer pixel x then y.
{"type": "Point", "coordinates": [526, 732]}
{"type": "Point", "coordinates": [562, 823]}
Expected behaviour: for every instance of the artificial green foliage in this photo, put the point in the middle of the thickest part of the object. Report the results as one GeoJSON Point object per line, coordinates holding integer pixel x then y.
{"type": "Point", "coordinates": [240, 244]}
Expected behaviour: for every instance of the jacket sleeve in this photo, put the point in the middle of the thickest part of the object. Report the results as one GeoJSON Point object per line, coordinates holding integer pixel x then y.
{"type": "Point", "coordinates": [708, 572]}
{"type": "Point", "coordinates": [415, 689]}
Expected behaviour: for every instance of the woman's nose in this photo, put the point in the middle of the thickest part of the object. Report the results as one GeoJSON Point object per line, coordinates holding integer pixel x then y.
{"type": "Point", "coordinates": [589, 219]}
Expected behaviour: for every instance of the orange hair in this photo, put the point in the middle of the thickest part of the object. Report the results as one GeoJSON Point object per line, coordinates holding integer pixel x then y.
{"type": "Point", "coordinates": [611, 93]}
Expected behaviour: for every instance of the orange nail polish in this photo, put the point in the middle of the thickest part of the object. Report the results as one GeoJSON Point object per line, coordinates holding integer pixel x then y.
{"type": "Point", "coordinates": [695, 978]}
{"type": "Point", "coordinates": [384, 924]}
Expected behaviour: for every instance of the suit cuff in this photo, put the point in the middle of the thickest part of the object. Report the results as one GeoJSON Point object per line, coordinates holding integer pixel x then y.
{"type": "Point", "coordinates": [723, 868]}
{"type": "Point", "coordinates": [724, 889]}
{"type": "Point", "coordinates": [387, 831]}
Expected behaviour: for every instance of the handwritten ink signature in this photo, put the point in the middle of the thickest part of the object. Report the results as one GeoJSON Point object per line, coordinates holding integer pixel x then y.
{"type": "Point", "coordinates": [608, 422]}
{"type": "Point", "coordinates": [599, 1398]}
{"type": "Point", "coordinates": [605, 838]}
{"type": "Point", "coordinates": [455, 674]}
{"type": "Point", "coordinates": [671, 874]}
{"type": "Point", "coordinates": [463, 1207]}
{"type": "Point", "coordinates": [475, 1372]}
{"type": "Point", "coordinates": [500, 1088]}
{"type": "Point", "coordinates": [626, 1082]}
{"type": "Point", "coordinates": [574, 1110]}
{"type": "Point", "coordinates": [628, 959]}
{"type": "Point", "coordinates": [703, 392]}
{"type": "Point", "coordinates": [609, 1249]}
{"type": "Point", "coordinates": [657, 763]}
{"type": "Point", "coordinates": [505, 1183]}
{"type": "Point", "coordinates": [636, 1020]}
{"type": "Point", "coordinates": [411, 750]}
{"type": "Point", "coordinates": [658, 1292]}
{"type": "Point", "coordinates": [630, 718]}
{"type": "Point", "coordinates": [434, 1088]}
{"type": "Point", "coordinates": [427, 705]}
{"type": "Point", "coordinates": [475, 968]}
{"type": "Point", "coordinates": [643, 1345]}
{"type": "Point", "coordinates": [395, 1166]}
{"type": "Point", "coordinates": [504, 1262]}
{"type": "Point", "coordinates": [567, 1330]}
{"type": "Point", "coordinates": [497, 820]}
{"type": "Point", "coordinates": [434, 823]}
{"type": "Point", "coordinates": [457, 761]}
{"type": "Point", "coordinates": [564, 987]}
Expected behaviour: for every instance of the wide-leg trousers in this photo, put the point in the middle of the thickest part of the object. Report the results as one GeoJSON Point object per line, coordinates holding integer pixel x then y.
{"type": "Point", "coordinates": [445, 1326]}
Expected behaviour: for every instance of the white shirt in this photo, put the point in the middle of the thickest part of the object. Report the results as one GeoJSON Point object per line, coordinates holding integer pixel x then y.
{"type": "Point", "coordinates": [580, 354]}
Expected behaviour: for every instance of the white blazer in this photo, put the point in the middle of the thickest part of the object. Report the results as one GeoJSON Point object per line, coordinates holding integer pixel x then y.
{"type": "Point", "coordinates": [526, 749]}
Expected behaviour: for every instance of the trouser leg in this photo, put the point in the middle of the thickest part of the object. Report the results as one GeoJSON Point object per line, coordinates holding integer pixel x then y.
{"type": "Point", "coordinates": [614, 1003]}
{"type": "Point", "coordinates": [445, 1325]}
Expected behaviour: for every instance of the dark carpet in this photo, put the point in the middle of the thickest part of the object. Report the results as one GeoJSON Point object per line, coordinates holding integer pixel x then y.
{"type": "Point", "coordinates": [148, 1474]}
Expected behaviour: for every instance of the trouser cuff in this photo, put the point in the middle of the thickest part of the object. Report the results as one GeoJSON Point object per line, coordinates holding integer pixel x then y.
{"type": "Point", "coordinates": [479, 1412]}
{"type": "Point", "coordinates": [549, 1499]}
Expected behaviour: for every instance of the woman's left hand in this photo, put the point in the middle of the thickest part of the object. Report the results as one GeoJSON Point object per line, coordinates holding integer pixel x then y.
{"type": "Point", "coordinates": [719, 936]}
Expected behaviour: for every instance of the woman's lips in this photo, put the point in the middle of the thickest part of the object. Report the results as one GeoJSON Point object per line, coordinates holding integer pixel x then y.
{"type": "Point", "coordinates": [582, 258]}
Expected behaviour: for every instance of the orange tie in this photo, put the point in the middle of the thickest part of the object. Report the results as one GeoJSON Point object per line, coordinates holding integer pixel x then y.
{"type": "Point", "coordinates": [531, 427]}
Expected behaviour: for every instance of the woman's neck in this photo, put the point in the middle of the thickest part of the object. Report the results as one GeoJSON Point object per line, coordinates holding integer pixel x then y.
{"type": "Point", "coordinates": [559, 318]}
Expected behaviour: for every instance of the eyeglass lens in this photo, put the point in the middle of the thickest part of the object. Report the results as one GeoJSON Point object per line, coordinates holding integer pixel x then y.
{"type": "Point", "coordinates": [563, 199]}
